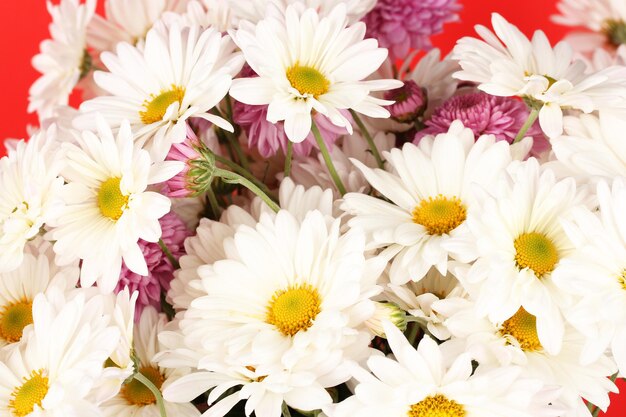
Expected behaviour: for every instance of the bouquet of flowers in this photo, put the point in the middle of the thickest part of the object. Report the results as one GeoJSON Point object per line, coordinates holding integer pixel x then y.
{"type": "Point", "coordinates": [300, 208]}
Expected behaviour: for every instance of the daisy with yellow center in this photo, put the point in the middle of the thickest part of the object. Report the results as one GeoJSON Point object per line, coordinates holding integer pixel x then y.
{"type": "Point", "coordinates": [429, 189]}
{"type": "Point", "coordinates": [54, 371]}
{"type": "Point", "coordinates": [171, 85]}
{"type": "Point", "coordinates": [422, 383]}
{"type": "Point", "coordinates": [307, 67]}
{"type": "Point", "coordinates": [293, 309]}
{"type": "Point", "coordinates": [521, 244]}
{"type": "Point", "coordinates": [109, 208]}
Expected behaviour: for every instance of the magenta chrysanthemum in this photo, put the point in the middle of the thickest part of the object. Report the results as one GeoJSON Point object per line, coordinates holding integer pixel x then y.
{"type": "Point", "coordinates": [409, 102]}
{"type": "Point", "coordinates": [160, 269]}
{"type": "Point", "coordinates": [269, 137]}
{"type": "Point", "coordinates": [402, 25]}
{"type": "Point", "coordinates": [485, 114]}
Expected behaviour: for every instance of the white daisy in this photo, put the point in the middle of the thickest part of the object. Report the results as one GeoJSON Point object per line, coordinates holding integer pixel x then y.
{"type": "Point", "coordinates": [428, 382]}
{"type": "Point", "coordinates": [127, 21]}
{"type": "Point", "coordinates": [205, 13]}
{"type": "Point", "coordinates": [287, 316]}
{"type": "Point", "coordinates": [64, 59]}
{"type": "Point", "coordinates": [593, 147]}
{"type": "Point", "coordinates": [595, 274]}
{"type": "Point", "coordinates": [509, 64]}
{"type": "Point", "coordinates": [430, 194]}
{"type": "Point", "coordinates": [516, 342]}
{"type": "Point", "coordinates": [306, 62]}
{"type": "Point", "coordinates": [108, 208]}
{"type": "Point", "coordinates": [19, 288]}
{"type": "Point", "coordinates": [52, 370]}
{"type": "Point", "coordinates": [181, 73]}
{"type": "Point", "coordinates": [519, 243]}
{"type": "Point", "coordinates": [30, 195]}
{"type": "Point", "coordinates": [135, 398]}
{"type": "Point", "coordinates": [606, 16]}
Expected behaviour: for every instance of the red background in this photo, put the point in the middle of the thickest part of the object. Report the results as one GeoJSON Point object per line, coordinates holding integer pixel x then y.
{"type": "Point", "coordinates": [23, 24]}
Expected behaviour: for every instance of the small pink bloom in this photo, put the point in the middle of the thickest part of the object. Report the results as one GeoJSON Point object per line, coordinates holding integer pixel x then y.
{"type": "Point", "coordinates": [410, 102]}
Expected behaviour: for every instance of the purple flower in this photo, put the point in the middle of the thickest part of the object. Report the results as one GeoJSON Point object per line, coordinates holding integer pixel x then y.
{"type": "Point", "coordinates": [160, 269]}
{"type": "Point", "coordinates": [485, 114]}
{"type": "Point", "coordinates": [402, 25]}
{"type": "Point", "coordinates": [410, 102]}
{"type": "Point", "coordinates": [269, 137]}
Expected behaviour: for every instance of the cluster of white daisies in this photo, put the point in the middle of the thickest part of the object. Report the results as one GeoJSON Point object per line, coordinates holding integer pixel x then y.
{"type": "Point", "coordinates": [256, 209]}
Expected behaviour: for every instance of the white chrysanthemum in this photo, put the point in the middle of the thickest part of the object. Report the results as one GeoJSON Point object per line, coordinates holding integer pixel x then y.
{"type": "Point", "coordinates": [19, 288]}
{"type": "Point", "coordinates": [30, 195]}
{"type": "Point", "coordinates": [311, 171]}
{"type": "Point", "coordinates": [205, 13]}
{"type": "Point", "coordinates": [285, 311]}
{"type": "Point", "coordinates": [108, 208]}
{"type": "Point", "coordinates": [127, 21]}
{"type": "Point", "coordinates": [64, 59]}
{"type": "Point", "coordinates": [310, 63]}
{"type": "Point", "coordinates": [509, 64]}
{"type": "Point", "coordinates": [181, 73]}
{"type": "Point", "coordinates": [255, 10]}
{"type": "Point", "coordinates": [207, 246]}
{"type": "Point", "coordinates": [430, 194]}
{"type": "Point", "coordinates": [134, 398]}
{"type": "Point", "coordinates": [516, 342]}
{"type": "Point", "coordinates": [596, 274]}
{"type": "Point", "coordinates": [593, 147]}
{"type": "Point", "coordinates": [596, 15]}
{"type": "Point", "coordinates": [519, 243]}
{"type": "Point", "coordinates": [428, 382]}
{"type": "Point", "coordinates": [53, 368]}
{"type": "Point", "coordinates": [421, 299]}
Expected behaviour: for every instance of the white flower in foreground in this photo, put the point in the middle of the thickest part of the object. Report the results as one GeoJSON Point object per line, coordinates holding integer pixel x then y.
{"type": "Point", "coordinates": [127, 21]}
{"type": "Point", "coordinates": [52, 370]}
{"type": "Point", "coordinates": [310, 63]}
{"type": "Point", "coordinates": [516, 342]}
{"type": "Point", "coordinates": [108, 208]}
{"type": "Point", "coordinates": [593, 147]}
{"type": "Point", "coordinates": [283, 316]}
{"type": "Point", "coordinates": [64, 59]}
{"type": "Point", "coordinates": [596, 274]}
{"type": "Point", "coordinates": [509, 64]}
{"type": "Point", "coordinates": [430, 192]}
{"type": "Point", "coordinates": [428, 382]}
{"type": "Point", "coordinates": [19, 288]}
{"type": "Point", "coordinates": [181, 73]}
{"type": "Point", "coordinates": [30, 195]}
{"type": "Point", "coordinates": [520, 243]}
{"type": "Point", "coordinates": [134, 398]}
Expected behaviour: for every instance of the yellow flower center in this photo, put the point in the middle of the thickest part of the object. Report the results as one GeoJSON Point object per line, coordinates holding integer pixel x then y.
{"type": "Point", "coordinates": [440, 215]}
{"type": "Point", "coordinates": [437, 406]}
{"type": "Point", "coordinates": [293, 309]}
{"type": "Point", "coordinates": [111, 201]}
{"type": "Point", "coordinates": [136, 393]}
{"type": "Point", "coordinates": [523, 327]}
{"type": "Point", "coordinates": [156, 106]}
{"type": "Point", "coordinates": [13, 318]}
{"type": "Point", "coordinates": [536, 252]}
{"type": "Point", "coordinates": [30, 393]}
{"type": "Point", "coordinates": [308, 80]}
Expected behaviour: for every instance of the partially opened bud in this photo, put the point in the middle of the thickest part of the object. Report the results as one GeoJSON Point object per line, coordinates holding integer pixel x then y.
{"type": "Point", "coordinates": [386, 311]}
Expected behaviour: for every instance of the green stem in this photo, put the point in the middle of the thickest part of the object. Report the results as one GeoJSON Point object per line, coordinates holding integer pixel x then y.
{"type": "Point", "coordinates": [155, 391]}
{"type": "Point", "coordinates": [234, 178]}
{"type": "Point", "coordinates": [169, 255]}
{"type": "Point", "coordinates": [243, 172]}
{"type": "Point", "coordinates": [412, 336]}
{"type": "Point", "coordinates": [329, 162]}
{"type": "Point", "coordinates": [234, 141]}
{"type": "Point", "coordinates": [369, 139]}
{"type": "Point", "coordinates": [529, 122]}
{"type": "Point", "coordinates": [288, 158]}
{"type": "Point", "coordinates": [215, 206]}
{"type": "Point", "coordinates": [286, 412]}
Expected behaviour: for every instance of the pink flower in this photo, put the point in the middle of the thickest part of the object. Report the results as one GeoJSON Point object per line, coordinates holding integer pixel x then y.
{"type": "Point", "coordinates": [160, 269]}
{"type": "Point", "coordinates": [410, 102]}
{"type": "Point", "coordinates": [182, 185]}
{"type": "Point", "coordinates": [402, 25]}
{"type": "Point", "coordinates": [268, 137]}
{"type": "Point", "coordinates": [485, 114]}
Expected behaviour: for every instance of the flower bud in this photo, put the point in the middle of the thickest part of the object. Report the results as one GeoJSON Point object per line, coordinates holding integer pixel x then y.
{"type": "Point", "coordinates": [386, 311]}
